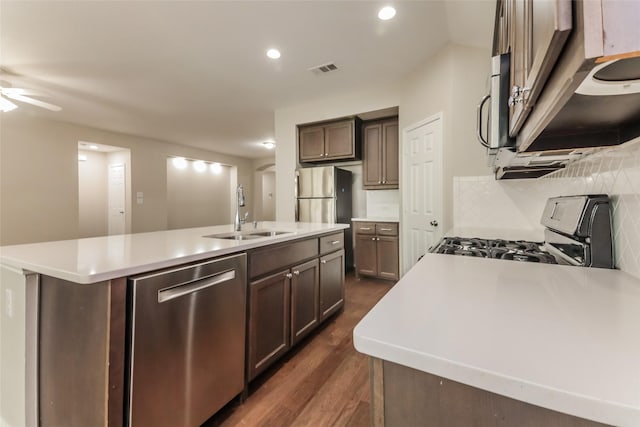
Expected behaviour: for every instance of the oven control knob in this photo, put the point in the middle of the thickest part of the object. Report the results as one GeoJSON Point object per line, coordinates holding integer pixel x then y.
{"type": "Point", "coordinates": [434, 223]}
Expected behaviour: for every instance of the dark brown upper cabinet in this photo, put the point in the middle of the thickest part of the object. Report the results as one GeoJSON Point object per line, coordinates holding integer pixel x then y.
{"type": "Point", "coordinates": [380, 165]}
{"type": "Point", "coordinates": [555, 46]}
{"type": "Point", "coordinates": [539, 31]}
{"type": "Point", "coordinates": [330, 141]}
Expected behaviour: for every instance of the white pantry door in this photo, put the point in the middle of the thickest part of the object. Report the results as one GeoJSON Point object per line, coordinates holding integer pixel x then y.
{"type": "Point", "coordinates": [116, 199]}
{"type": "Point", "coordinates": [421, 188]}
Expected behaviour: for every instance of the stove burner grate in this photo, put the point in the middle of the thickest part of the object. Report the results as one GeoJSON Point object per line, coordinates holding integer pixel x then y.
{"type": "Point", "coordinates": [516, 250]}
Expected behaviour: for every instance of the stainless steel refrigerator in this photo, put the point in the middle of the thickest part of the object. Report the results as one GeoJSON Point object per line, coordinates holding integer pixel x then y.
{"type": "Point", "coordinates": [323, 194]}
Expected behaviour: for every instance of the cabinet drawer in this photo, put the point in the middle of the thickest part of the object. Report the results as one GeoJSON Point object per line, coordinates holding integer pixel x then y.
{"type": "Point", "coordinates": [272, 258]}
{"type": "Point", "coordinates": [331, 243]}
{"type": "Point", "coordinates": [387, 229]}
{"type": "Point", "coordinates": [365, 227]}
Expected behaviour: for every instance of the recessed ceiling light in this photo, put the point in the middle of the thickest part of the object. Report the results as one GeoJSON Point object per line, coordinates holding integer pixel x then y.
{"type": "Point", "coordinates": [82, 157]}
{"type": "Point", "coordinates": [93, 147]}
{"type": "Point", "coordinates": [269, 144]}
{"type": "Point", "coordinates": [273, 53]}
{"type": "Point", "coordinates": [386, 13]}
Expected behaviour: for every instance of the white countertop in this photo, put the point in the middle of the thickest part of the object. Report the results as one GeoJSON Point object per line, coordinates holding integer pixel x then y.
{"type": "Point", "coordinates": [378, 219]}
{"type": "Point", "coordinates": [561, 337]}
{"type": "Point", "coordinates": [96, 259]}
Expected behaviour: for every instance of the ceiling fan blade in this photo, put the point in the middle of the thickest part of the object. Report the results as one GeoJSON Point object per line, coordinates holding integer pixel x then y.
{"type": "Point", "coordinates": [19, 91]}
{"type": "Point", "coordinates": [32, 101]}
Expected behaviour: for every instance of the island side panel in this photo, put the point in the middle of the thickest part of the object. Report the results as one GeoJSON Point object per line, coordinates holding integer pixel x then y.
{"type": "Point", "coordinates": [18, 347]}
{"type": "Point", "coordinates": [77, 348]}
{"type": "Point", "coordinates": [416, 398]}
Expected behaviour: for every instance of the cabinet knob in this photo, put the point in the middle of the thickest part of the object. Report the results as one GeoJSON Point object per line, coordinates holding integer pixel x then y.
{"type": "Point", "coordinates": [326, 154]}
{"type": "Point", "coordinates": [296, 272]}
{"type": "Point", "coordinates": [379, 182]}
{"type": "Point", "coordinates": [434, 223]}
{"type": "Point", "coordinates": [324, 261]}
{"type": "Point", "coordinates": [384, 181]}
{"type": "Point", "coordinates": [373, 238]}
{"type": "Point", "coordinates": [288, 275]}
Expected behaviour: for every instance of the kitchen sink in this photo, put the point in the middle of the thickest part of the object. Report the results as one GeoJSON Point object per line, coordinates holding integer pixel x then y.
{"type": "Point", "coordinates": [247, 235]}
{"type": "Point", "coordinates": [268, 233]}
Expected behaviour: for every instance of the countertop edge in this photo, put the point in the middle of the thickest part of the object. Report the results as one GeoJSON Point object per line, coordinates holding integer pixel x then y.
{"type": "Point", "coordinates": [532, 393]}
{"type": "Point", "coordinates": [87, 279]}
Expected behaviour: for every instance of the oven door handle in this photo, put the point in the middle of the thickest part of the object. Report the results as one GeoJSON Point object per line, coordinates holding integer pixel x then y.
{"type": "Point", "coordinates": [481, 139]}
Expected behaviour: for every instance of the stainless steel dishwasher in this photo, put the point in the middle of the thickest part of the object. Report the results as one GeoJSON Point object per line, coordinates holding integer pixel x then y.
{"type": "Point", "coordinates": [187, 341]}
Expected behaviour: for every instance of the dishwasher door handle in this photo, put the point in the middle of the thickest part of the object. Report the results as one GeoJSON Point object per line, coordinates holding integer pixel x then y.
{"type": "Point", "coordinates": [174, 292]}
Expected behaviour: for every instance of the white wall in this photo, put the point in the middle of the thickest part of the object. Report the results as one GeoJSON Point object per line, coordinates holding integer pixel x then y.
{"type": "Point", "coordinates": [39, 198]}
{"type": "Point", "coordinates": [452, 82]}
{"type": "Point", "coordinates": [286, 120]}
{"type": "Point", "coordinates": [92, 194]}
{"type": "Point", "coordinates": [196, 199]}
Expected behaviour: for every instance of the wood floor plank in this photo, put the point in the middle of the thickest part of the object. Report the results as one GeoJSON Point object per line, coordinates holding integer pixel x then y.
{"type": "Point", "coordinates": [323, 381]}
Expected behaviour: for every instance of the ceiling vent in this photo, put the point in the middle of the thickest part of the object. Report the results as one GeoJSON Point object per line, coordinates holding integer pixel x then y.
{"type": "Point", "coordinates": [323, 69]}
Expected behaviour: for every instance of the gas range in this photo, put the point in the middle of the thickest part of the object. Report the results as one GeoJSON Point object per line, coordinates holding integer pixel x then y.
{"type": "Point", "coordinates": [577, 232]}
{"type": "Point", "coordinates": [517, 250]}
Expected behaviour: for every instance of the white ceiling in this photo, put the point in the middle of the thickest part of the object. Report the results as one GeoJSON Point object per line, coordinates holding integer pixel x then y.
{"type": "Point", "coordinates": [195, 73]}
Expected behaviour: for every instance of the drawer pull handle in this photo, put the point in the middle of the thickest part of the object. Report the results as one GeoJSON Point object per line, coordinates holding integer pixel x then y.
{"type": "Point", "coordinates": [365, 228]}
{"type": "Point", "coordinates": [335, 242]}
{"type": "Point", "coordinates": [386, 229]}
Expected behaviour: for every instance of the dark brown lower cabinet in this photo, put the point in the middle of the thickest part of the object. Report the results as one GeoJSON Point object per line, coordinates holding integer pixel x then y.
{"type": "Point", "coordinates": [402, 396]}
{"type": "Point", "coordinates": [387, 257]}
{"type": "Point", "coordinates": [304, 299]}
{"type": "Point", "coordinates": [331, 283]}
{"type": "Point", "coordinates": [377, 250]}
{"type": "Point", "coordinates": [269, 320]}
{"type": "Point", "coordinates": [293, 287]}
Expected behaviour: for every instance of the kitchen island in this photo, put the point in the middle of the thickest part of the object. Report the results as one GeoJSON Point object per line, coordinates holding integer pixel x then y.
{"type": "Point", "coordinates": [505, 342]}
{"type": "Point", "coordinates": [67, 313]}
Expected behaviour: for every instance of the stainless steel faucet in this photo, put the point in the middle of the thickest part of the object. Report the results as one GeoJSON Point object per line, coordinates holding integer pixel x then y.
{"type": "Point", "coordinates": [239, 203]}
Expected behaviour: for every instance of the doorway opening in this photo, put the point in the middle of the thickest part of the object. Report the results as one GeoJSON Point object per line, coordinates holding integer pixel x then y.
{"type": "Point", "coordinates": [265, 199]}
{"type": "Point", "coordinates": [104, 186]}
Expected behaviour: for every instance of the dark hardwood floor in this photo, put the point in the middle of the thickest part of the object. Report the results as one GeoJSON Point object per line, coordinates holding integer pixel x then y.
{"type": "Point", "coordinates": [323, 381]}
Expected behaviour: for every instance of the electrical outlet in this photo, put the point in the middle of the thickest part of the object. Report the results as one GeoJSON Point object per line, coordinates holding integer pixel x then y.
{"type": "Point", "coordinates": [8, 302]}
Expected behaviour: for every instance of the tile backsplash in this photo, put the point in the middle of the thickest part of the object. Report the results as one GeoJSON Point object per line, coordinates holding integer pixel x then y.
{"type": "Point", "coordinates": [517, 204]}
{"type": "Point", "coordinates": [382, 203]}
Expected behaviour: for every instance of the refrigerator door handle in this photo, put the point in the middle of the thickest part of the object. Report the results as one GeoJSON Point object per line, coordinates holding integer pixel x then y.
{"type": "Point", "coordinates": [296, 191]}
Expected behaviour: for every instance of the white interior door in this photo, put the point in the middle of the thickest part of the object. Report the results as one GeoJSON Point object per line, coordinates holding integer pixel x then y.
{"type": "Point", "coordinates": [117, 199]}
{"type": "Point", "coordinates": [421, 188]}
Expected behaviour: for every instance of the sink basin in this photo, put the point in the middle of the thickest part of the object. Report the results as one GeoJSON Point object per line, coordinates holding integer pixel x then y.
{"type": "Point", "coordinates": [247, 235]}
{"type": "Point", "coordinates": [232, 236]}
{"type": "Point", "coordinates": [268, 233]}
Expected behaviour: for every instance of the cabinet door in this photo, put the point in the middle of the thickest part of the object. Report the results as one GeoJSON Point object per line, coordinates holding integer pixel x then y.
{"type": "Point", "coordinates": [387, 257]}
{"type": "Point", "coordinates": [372, 163]}
{"type": "Point", "coordinates": [539, 31]}
{"type": "Point", "coordinates": [390, 148]}
{"type": "Point", "coordinates": [366, 255]}
{"type": "Point", "coordinates": [269, 321]}
{"type": "Point", "coordinates": [304, 299]}
{"type": "Point", "coordinates": [339, 140]}
{"type": "Point", "coordinates": [331, 284]}
{"type": "Point", "coordinates": [311, 143]}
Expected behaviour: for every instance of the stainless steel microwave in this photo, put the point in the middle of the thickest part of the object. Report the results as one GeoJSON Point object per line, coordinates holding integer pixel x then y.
{"type": "Point", "coordinates": [495, 134]}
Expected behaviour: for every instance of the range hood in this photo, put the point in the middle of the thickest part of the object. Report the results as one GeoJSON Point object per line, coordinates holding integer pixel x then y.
{"type": "Point", "coordinates": [509, 164]}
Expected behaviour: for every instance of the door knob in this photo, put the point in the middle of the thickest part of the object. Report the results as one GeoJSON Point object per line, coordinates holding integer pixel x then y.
{"type": "Point", "coordinates": [434, 223]}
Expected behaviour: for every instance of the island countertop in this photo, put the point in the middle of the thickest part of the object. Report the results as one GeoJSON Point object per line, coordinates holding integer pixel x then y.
{"type": "Point", "coordinates": [96, 259]}
{"type": "Point", "coordinates": [561, 337]}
